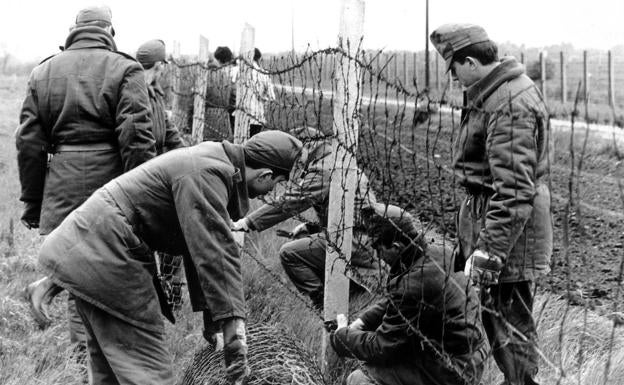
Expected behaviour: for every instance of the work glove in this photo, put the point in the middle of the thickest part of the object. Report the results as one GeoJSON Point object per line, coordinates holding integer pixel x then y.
{"type": "Point", "coordinates": [483, 269]}
{"type": "Point", "coordinates": [39, 295]}
{"type": "Point", "coordinates": [358, 324]}
{"type": "Point", "coordinates": [31, 215]}
{"type": "Point", "coordinates": [235, 351]}
{"type": "Point", "coordinates": [241, 225]}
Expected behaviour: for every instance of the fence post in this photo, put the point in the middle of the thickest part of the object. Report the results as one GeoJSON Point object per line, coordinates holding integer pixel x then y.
{"type": "Point", "coordinates": [585, 77]}
{"type": "Point", "coordinates": [241, 123]}
{"type": "Point", "coordinates": [611, 81]}
{"type": "Point", "coordinates": [199, 100]}
{"type": "Point", "coordinates": [542, 59]}
{"type": "Point", "coordinates": [437, 67]}
{"type": "Point", "coordinates": [415, 70]}
{"type": "Point", "coordinates": [564, 82]}
{"type": "Point", "coordinates": [395, 65]}
{"type": "Point", "coordinates": [405, 69]}
{"type": "Point", "coordinates": [176, 100]}
{"type": "Point", "coordinates": [344, 174]}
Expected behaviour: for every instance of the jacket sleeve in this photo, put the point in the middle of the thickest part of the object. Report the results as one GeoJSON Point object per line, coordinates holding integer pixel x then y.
{"type": "Point", "coordinates": [298, 197]}
{"type": "Point", "coordinates": [201, 200]}
{"type": "Point", "coordinates": [134, 120]}
{"type": "Point", "coordinates": [373, 316]}
{"type": "Point", "coordinates": [172, 135]}
{"type": "Point", "coordinates": [393, 339]}
{"type": "Point", "coordinates": [511, 148]}
{"type": "Point", "coordinates": [32, 146]}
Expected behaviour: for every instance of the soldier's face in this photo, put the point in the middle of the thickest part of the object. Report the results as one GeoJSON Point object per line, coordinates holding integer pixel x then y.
{"type": "Point", "coordinates": [263, 184]}
{"type": "Point", "coordinates": [388, 252]}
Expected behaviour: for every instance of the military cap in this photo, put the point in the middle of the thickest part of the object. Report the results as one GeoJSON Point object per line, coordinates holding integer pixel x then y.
{"type": "Point", "coordinates": [151, 52]}
{"type": "Point", "coordinates": [94, 13]}
{"type": "Point", "coordinates": [450, 38]}
{"type": "Point", "coordinates": [390, 222]}
{"type": "Point", "coordinates": [274, 149]}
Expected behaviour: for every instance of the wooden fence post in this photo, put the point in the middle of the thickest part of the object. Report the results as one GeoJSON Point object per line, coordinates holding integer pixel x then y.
{"type": "Point", "coordinates": [344, 173]}
{"type": "Point", "coordinates": [395, 65]}
{"type": "Point", "coordinates": [176, 100]}
{"type": "Point", "coordinates": [564, 81]}
{"type": "Point", "coordinates": [585, 77]}
{"type": "Point", "coordinates": [542, 59]}
{"type": "Point", "coordinates": [405, 79]}
{"type": "Point", "coordinates": [611, 80]}
{"type": "Point", "coordinates": [241, 123]}
{"type": "Point", "coordinates": [199, 100]}
{"type": "Point", "coordinates": [415, 69]}
{"type": "Point", "coordinates": [437, 68]}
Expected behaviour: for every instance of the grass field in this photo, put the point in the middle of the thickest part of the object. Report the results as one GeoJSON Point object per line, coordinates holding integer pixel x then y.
{"type": "Point", "coordinates": [577, 342]}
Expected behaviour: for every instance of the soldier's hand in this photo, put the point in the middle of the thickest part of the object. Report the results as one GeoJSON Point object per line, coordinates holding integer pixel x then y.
{"type": "Point", "coordinates": [358, 324]}
{"type": "Point", "coordinates": [236, 365]}
{"type": "Point", "coordinates": [30, 216]}
{"type": "Point", "coordinates": [241, 225]}
{"type": "Point", "coordinates": [39, 295]}
{"type": "Point", "coordinates": [483, 269]}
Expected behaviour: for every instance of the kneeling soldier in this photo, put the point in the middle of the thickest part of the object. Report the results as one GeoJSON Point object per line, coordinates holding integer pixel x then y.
{"type": "Point", "coordinates": [428, 329]}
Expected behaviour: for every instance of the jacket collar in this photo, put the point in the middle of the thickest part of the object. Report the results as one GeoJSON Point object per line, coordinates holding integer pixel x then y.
{"type": "Point", "coordinates": [90, 37]}
{"type": "Point", "coordinates": [154, 88]}
{"type": "Point", "coordinates": [481, 90]}
{"type": "Point", "coordinates": [238, 204]}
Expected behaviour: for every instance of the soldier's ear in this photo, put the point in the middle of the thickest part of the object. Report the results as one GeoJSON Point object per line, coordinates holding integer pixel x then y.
{"type": "Point", "coordinates": [265, 174]}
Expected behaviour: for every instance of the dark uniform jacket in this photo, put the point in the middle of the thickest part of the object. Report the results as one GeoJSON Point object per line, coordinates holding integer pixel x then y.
{"type": "Point", "coordinates": [182, 203]}
{"type": "Point", "coordinates": [91, 96]}
{"type": "Point", "coordinates": [502, 154]}
{"type": "Point", "coordinates": [429, 315]}
{"type": "Point", "coordinates": [166, 135]}
{"type": "Point", "coordinates": [309, 189]}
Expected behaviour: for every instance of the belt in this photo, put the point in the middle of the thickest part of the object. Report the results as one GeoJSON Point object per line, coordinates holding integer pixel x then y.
{"type": "Point", "coordinates": [85, 147]}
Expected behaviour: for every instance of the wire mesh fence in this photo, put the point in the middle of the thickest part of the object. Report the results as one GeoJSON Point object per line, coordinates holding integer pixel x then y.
{"type": "Point", "coordinates": [409, 153]}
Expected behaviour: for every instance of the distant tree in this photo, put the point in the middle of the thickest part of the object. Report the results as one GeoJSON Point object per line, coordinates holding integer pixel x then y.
{"type": "Point", "coordinates": [534, 70]}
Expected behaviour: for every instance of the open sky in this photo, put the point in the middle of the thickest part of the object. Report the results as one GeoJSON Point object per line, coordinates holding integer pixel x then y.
{"type": "Point", "coordinates": [32, 29]}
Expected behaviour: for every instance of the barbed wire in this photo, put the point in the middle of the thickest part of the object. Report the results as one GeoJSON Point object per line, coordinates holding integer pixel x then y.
{"type": "Point", "coordinates": [406, 146]}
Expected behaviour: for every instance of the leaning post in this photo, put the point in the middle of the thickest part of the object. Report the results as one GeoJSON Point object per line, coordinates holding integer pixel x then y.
{"type": "Point", "coordinates": [344, 174]}
{"type": "Point", "coordinates": [199, 100]}
{"type": "Point", "coordinates": [241, 124]}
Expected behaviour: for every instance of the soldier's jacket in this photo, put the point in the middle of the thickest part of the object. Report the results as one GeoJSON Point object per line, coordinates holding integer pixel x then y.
{"type": "Point", "coordinates": [182, 203]}
{"type": "Point", "coordinates": [165, 133]}
{"type": "Point", "coordinates": [310, 188]}
{"type": "Point", "coordinates": [88, 95]}
{"type": "Point", "coordinates": [429, 315]}
{"type": "Point", "coordinates": [502, 156]}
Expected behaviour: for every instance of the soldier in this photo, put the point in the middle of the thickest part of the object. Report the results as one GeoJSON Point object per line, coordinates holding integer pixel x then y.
{"type": "Point", "coordinates": [87, 108]}
{"type": "Point", "coordinates": [303, 258]}
{"type": "Point", "coordinates": [181, 202]}
{"type": "Point", "coordinates": [427, 330]}
{"type": "Point", "coordinates": [502, 155]}
{"type": "Point", "coordinates": [153, 57]}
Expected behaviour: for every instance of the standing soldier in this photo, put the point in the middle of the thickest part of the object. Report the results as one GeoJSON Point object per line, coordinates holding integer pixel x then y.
{"type": "Point", "coordinates": [85, 120]}
{"type": "Point", "coordinates": [501, 155]}
{"type": "Point", "coordinates": [153, 58]}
